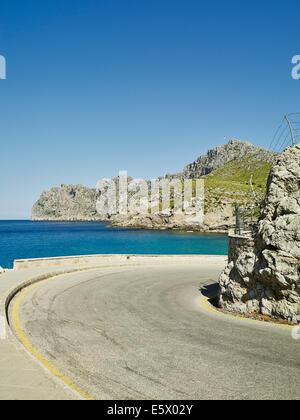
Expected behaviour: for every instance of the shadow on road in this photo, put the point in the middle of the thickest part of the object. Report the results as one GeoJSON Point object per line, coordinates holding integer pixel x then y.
{"type": "Point", "coordinates": [210, 290]}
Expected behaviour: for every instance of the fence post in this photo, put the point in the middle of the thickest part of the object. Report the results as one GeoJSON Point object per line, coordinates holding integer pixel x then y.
{"type": "Point", "coordinates": [237, 220]}
{"type": "Point", "coordinates": [291, 129]}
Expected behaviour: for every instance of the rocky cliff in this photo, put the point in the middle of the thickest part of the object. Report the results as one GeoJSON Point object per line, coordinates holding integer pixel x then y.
{"type": "Point", "coordinates": [67, 203]}
{"type": "Point", "coordinates": [263, 274]}
{"type": "Point", "coordinates": [225, 184]}
{"type": "Point", "coordinates": [224, 187]}
{"type": "Point", "coordinates": [220, 155]}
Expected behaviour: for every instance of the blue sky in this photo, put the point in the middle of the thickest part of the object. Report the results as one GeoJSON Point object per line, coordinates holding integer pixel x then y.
{"type": "Point", "coordinates": [97, 86]}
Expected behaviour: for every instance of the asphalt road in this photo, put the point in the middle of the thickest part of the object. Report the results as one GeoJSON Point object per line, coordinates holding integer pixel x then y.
{"type": "Point", "coordinates": [141, 333]}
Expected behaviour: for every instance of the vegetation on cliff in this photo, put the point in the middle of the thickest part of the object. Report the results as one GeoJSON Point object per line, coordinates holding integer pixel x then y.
{"type": "Point", "coordinates": [231, 183]}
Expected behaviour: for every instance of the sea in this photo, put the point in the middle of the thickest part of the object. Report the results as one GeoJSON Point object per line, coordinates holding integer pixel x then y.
{"type": "Point", "coordinates": [21, 239]}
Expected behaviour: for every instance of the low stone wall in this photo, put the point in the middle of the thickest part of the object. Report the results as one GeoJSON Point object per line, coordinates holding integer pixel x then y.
{"type": "Point", "coordinates": [239, 244]}
{"type": "Point", "coordinates": [104, 259]}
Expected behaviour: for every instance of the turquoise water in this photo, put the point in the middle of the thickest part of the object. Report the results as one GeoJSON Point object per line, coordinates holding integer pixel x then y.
{"type": "Point", "coordinates": [26, 239]}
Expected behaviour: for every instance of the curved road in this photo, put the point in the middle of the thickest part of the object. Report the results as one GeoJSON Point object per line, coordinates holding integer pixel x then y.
{"type": "Point", "coordinates": [141, 333]}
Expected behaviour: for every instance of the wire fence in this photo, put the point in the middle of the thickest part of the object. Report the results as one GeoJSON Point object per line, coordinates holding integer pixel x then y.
{"type": "Point", "coordinates": [287, 134]}
{"type": "Point", "coordinates": [245, 219]}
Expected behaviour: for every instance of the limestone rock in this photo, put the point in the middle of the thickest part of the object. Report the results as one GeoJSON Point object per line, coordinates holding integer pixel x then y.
{"type": "Point", "coordinates": [220, 155]}
{"type": "Point", "coordinates": [151, 221]}
{"type": "Point", "coordinates": [265, 277]}
{"type": "Point", "coordinates": [213, 220]}
{"type": "Point", "coordinates": [67, 203]}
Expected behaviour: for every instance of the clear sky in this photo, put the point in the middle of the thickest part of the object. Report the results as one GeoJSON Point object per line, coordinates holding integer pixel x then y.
{"type": "Point", "coordinates": [95, 86]}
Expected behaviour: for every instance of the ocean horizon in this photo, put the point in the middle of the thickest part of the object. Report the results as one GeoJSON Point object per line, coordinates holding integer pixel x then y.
{"type": "Point", "coordinates": [21, 239]}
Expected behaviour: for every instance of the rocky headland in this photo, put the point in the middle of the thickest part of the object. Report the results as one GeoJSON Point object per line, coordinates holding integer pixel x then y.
{"type": "Point", "coordinates": [67, 203]}
{"type": "Point", "coordinates": [226, 171]}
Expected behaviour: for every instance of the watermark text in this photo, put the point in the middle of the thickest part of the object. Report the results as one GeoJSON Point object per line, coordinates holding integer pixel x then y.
{"type": "Point", "coordinates": [124, 195]}
{"type": "Point", "coordinates": [296, 68]}
{"type": "Point", "coordinates": [2, 67]}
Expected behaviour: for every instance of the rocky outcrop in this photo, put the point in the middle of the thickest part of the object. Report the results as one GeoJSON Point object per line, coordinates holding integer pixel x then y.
{"type": "Point", "coordinates": [220, 155]}
{"type": "Point", "coordinates": [219, 219]}
{"type": "Point", "coordinates": [151, 221]}
{"type": "Point", "coordinates": [67, 203]}
{"type": "Point", "coordinates": [263, 276]}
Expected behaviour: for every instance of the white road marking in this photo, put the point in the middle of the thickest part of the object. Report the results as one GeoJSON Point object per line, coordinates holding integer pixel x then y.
{"type": "Point", "coordinates": [2, 328]}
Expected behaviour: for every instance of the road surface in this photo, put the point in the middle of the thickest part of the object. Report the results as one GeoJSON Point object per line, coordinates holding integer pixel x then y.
{"type": "Point", "coordinates": [142, 333]}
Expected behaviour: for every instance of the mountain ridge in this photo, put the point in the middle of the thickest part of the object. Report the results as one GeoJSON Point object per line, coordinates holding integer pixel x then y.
{"type": "Point", "coordinates": [218, 156]}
